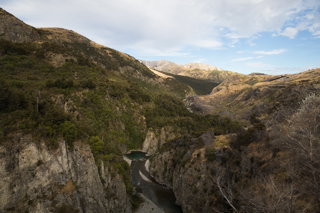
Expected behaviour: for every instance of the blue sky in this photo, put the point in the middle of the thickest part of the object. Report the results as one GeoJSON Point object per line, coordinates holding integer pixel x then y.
{"type": "Point", "coordinates": [245, 36]}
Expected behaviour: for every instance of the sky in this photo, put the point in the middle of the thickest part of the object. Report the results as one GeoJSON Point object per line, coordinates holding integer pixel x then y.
{"type": "Point", "coordinates": [244, 36]}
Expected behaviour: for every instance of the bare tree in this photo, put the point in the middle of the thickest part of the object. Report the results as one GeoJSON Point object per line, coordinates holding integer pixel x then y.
{"type": "Point", "coordinates": [224, 185]}
{"type": "Point", "coordinates": [303, 140]}
{"type": "Point", "coordinates": [303, 127]}
{"type": "Point", "coordinates": [267, 195]}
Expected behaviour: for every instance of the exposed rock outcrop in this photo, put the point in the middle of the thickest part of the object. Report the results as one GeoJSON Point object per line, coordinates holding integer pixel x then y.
{"type": "Point", "coordinates": [190, 181]}
{"type": "Point", "coordinates": [154, 142]}
{"type": "Point", "coordinates": [13, 29]}
{"type": "Point", "coordinates": [35, 179]}
{"type": "Point", "coordinates": [150, 144]}
{"type": "Point", "coordinates": [193, 178]}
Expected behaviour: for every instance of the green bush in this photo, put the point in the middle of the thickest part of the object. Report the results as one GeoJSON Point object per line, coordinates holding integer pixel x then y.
{"type": "Point", "coordinates": [60, 83]}
{"type": "Point", "coordinates": [69, 131]}
{"type": "Point", "coordinates": [88, 84]}
{"type": "Point", "coordinates": [210, 154]}
{"type": "Point", "coordinates": [96, 145]}
{"type": "Point", "coordinates": [246, 137]}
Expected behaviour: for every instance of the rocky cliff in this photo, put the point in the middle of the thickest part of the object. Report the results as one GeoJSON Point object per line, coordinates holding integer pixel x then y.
{"type": "Point", "coordinates": [154, 141]}
{"type": "Point", "coordinates": [249, 179]}
{"type": "Point", "coordinates": [269, 165]}
{"type": "Point", "coordinates": [36, 179]}
{"type": "Point", "coordinates": [185, 169]}
{"type": "Point", "coordinates": [13, 29]}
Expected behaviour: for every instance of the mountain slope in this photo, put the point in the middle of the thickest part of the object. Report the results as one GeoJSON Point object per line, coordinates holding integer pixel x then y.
{"type": "Point", "coordinates": [258, 94]}
{"type": "Point", "coordinates": [13, 29]}
{"type": "Point", "coordinates": [270, 165]}
{"type": "Point", "coordinates": [200, 86]}
{"type": "Point", "coordinates": [69, 109]}
{"type": "Point", "coordinates": [193, 70]}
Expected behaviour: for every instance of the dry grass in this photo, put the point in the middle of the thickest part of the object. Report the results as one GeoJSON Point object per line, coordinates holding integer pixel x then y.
{"type": "Point", "coordinates": [222, 140]}
{"type": "Point", "coordinates": [68, 188]}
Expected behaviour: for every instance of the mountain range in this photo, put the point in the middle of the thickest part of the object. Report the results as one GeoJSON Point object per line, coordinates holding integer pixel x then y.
{"type": "Point", "coordinates": [193, 70]}
{"type": "Point", "coordinates": [71, 108]}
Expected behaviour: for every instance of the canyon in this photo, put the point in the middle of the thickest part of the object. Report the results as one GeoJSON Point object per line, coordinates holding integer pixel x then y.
{"type": "Point", "coordinates": [71, 109]}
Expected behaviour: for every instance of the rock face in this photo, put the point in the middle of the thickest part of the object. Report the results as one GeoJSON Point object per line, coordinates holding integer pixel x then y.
{"type": "Point", "coordinates": [154, 142]}
{"type": "Point", "coordinates": [35, 179]}
{"type": "Point", "coordinates": [187, 172]}
{"type": "Point", "coordinates": [190, 183]}
{"type": "Point", "coordinates": [15, 30]}
{"type": "Point", "coordinates": [184, 166]}
{"type": "Point", "coordinates": [150, 144]}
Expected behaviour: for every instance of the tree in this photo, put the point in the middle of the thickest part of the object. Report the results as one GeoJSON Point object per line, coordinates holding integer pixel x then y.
{"type": "Point", "coordinates": [225, 184]}
{"type": "Point", "coordinates": [96, 145]}
{"type": "Point", "coordinates": [303, 140]}
{"type": "Point", "coordinates": [265, 194]}
{"type": "Point", "coordinates": [69, 131]}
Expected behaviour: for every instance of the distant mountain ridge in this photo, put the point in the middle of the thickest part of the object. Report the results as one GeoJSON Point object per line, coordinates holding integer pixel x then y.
{"type": "Point", "coordinates": [201, 66]}
{"type": "Point", "coordinates": [258, 93]}
{"type": "Point", "coordinates": [193, 70]}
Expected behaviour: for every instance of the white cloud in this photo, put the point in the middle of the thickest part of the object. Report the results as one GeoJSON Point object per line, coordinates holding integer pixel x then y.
{"type": "Point", "coordinates": [240, 51]}
{"type": "Point", "coordinates": [242, 59]}
{"type": "Point", "coordinates": [272, 52]}
{"type": "Point", "coordinates": [257, 64]}
{"type": "Point", "coordinates": [286, 70]}
{"type": "Point", "coordinates": [167, 25]}
{"type": "Point", "coordinates": [207, 43]}
{"type": "Point", "coordinates": [260, 56]}
{"type": "Point", "coordinates": [289, 32]}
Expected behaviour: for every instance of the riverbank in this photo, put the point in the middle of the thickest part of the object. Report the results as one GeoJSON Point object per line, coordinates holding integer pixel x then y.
{"type": "Point", "coordinates": [127, 159]}
{"type": "Point", "coordinates": [148, 207]}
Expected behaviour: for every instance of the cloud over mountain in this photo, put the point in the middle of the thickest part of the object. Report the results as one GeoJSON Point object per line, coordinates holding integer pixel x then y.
{"type": "Point", "coordinates": [167, 26]}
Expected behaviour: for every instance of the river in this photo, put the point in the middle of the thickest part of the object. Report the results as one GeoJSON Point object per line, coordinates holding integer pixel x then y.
{"type": "Point", "coordinates": [160, 195]}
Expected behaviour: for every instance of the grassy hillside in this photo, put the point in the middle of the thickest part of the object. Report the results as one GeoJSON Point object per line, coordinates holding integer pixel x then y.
{"type": "Point", "coordinates": [77, 99]}
{"type": "Point", "coordinates": [201, 87]}
{"type": "Point", "coordinates": [57, 84]}
{"type": "Point", "coordinates": [271, 165]}
{"type": "Point", "coordinates": [259, 94]}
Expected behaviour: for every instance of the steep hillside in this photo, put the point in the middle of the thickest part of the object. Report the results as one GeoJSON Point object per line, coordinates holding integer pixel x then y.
{"type": "Point", "coordinates": [270, 165]}
{"type": "Point", "coordinates": [200, 86]}
{"type": "Point", "coordinates": [69, 109]}
{"type": "Point", "coordinates": [241, 96]}
{"type": "Point", "coordinates": [193, 70]}
{"type": "Point", "coordinates": [13, 29]}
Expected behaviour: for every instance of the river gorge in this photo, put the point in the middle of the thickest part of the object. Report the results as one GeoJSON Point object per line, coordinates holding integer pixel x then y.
{"type": "Point", "coordinates": [160, 195]}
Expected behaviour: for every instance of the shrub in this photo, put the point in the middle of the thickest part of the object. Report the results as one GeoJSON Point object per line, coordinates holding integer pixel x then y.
{"type": "Point", "coordinates": [39, 163]}
{"type": "Point", "coordinates": [88, 84]}
{"type": "Point", "coordinates": [96, 146]}
{"type": "Point", "coordinates": [69, 131]}
{"type": "Point", "coordinates": [66, 208]}
{"type": "Point", "coordinates": [210, 154]}
{"type": "Point", "coordinates": [245, 138]}
{"type": "Point", "coordinates": [60, 83]}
